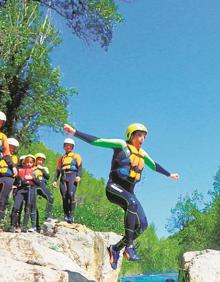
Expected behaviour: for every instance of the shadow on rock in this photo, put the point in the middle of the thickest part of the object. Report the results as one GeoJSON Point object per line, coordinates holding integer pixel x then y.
{"type": "Point", "coordinates": [76, 277]}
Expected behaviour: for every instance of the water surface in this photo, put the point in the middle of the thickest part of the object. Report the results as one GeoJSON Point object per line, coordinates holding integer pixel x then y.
{"type": "Point", "coordinates": [160, 277]}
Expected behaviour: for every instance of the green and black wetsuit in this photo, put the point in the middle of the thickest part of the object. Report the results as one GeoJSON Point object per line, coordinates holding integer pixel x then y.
{"type": "Point", "coordinates": [126, 168]}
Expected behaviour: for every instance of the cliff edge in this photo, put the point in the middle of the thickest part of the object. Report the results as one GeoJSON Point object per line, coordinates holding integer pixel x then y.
{"type": "Point", "coordinates": [63, 252]}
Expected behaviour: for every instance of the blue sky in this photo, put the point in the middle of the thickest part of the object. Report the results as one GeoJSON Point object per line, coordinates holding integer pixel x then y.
{"type": "Point", "coordinates": [162, 69]}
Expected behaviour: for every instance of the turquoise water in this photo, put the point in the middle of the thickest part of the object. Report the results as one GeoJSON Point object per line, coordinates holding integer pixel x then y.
{"type": "Point", "coordinates": [162, 277]}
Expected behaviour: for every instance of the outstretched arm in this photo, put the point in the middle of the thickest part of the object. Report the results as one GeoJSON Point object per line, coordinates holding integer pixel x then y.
{"type": "Point", "coordinates": [155, 166]}
{"type": "Point", "coordinates": [93, 140]}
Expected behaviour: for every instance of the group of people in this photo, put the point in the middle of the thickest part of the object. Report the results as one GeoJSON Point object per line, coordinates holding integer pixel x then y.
{"type": "Point", "coordinates": [29, 178]}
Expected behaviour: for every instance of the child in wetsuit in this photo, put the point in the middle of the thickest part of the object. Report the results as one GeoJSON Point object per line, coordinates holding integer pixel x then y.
{"type": "Point", "coordinates": [26, 184]}
{"type": "Point", "coordinates": [42, 173]}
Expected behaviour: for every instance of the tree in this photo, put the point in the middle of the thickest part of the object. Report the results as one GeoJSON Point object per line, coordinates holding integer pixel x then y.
{"type": "Point", "coordinates": [215, 193]}
{"type": "Point", "coordinates": [30, 90]}
{"type": "Point", "coordinates": [90, 20]}
{"type": "Point", "coordinates": [215, 206]}
{"type": "Point", "coordinates": [184, 212]}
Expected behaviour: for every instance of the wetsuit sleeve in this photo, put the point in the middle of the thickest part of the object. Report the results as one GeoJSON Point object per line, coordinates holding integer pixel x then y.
{"type": "Point", "coordinates": [37, 181]}
{"type": "Point", "coordinates": [153, 165]}
{"type": "Point", "coordinates": [9, 161]}
{"type": "Point", "coordinates": [58, 170]}
{"type": "Point", "coordinates": [101, 142]}
{"type": "Point", "coordinates": [6, 153]}
{"type": "Point", "coordinates": [79, 165]}
{"type": "Point", "coordinates": [46, 173]}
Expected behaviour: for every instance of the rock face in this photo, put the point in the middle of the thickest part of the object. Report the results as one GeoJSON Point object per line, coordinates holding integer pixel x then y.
{"type": "Point", "coordinates": [202, 266]}
{"type": "Point", "coordinates": [69, 252]}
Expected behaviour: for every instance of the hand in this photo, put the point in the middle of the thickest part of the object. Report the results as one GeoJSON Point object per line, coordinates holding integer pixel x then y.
{"type": "Point", "coordinates": [68, 129]}
{"type": "Point", "coordinates": [14, 187]}
{"type": "Point", "coordinates": [28, 177]}
{"type": "Point", "coordinates": [15, 171]}
{"type": "Point", "coordinates": [174, 176]}
{"type": "Point", "coordinates": [39, 166]}
{"type": "Point", "coordinates": [77, 179]}
{"type": "Point", "coordinates": [54, 184]}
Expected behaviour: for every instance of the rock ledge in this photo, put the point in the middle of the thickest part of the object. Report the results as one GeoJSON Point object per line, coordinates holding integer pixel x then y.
{"type": "Point", "coordinates": [69, 252]}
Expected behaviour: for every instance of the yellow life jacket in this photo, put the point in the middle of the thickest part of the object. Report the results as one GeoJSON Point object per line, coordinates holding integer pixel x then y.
{"type": "Point", "coordinates": [39, 173]}
{"type": "Point", "coordinates": [136, 163]}
{"type": "Point", "coordinates": [70, 161]}
{"type": "Point", "coordinates": [4, 169]}
{"type": "Point", "coordinates": [2, 137]}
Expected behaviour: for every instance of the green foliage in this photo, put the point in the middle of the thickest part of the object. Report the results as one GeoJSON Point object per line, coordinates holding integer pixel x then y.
{"type": "Point", "coordinates": [94, 210]}
{"type": "Point", "coordinates": [198, 228]}
{"type": "Point", "coordinates": [30, 90]}
{"type": "Point", "coordinates": [198, 234]}
{"type": "Point", "coordinates": [185, 211]}
{"type": "Point", "coordinates": [90, 20]}
{"type": "Point", "coordinates": [215, 193]}
{"type": "Point", "coordinates": [107, 8]}
{"type": "Point", "coordinates": [214, 238]}
{"type": "Point", "coordinates": [157, 255]}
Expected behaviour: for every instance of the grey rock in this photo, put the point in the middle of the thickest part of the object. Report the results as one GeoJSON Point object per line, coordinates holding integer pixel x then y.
{"type": "Point", "coordinates": [202, 266]}
{"type": "Point", "coordinates": [64, 252]}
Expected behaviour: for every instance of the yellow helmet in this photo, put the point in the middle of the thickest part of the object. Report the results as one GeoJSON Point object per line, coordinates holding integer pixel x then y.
{"type": "Point", "coordinates": [134, 127]}
{"type": "Point", "coordinates": [40, 155]}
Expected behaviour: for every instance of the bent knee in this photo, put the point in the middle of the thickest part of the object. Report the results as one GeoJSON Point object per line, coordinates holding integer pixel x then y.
{"type": "Point", "coordinates": [132, 204]}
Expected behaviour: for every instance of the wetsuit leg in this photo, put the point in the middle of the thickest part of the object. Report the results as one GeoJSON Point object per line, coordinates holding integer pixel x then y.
{"type": "Point", "coordinates": [21, 208]}
{"type": "Point", "coordinates": [44, 192]}
{"type": "Point", "coordinates": [141, 224]}
{"type": "Point", "coordinates": [141, 221]}
{"type": "Point", "coordinates": [27, 210]}
{"type": "Point", "coordinates": [71, 190]}
{"type": "Point", "coordinates": [63, 191]}
{"type": "Point", "coordinates": [19, 197]}
{"type": "Point", "coordinates": [33, 206]}
{"type": "Point", "coordinates": [5, 189]}
{"type": "Point", "coordinates": [121, 197]}
{"type": "Point", "coordinates": [37, 219]}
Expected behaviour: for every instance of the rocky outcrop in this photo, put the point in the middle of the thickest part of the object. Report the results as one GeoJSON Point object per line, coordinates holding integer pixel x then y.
{"type": "Point", "coordinates": [201, 266]}
{"type": "Point", "coordinates": [68, 252]}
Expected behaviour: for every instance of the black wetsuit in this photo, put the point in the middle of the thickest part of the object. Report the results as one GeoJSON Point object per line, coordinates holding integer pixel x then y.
{"type": "Point", "coordinates": [26, 191]}
{"type": "Point", "coordinates": [69, 166]}
{"type": "Point", "coordinates": [122, 179]}
{"type": "Point", "coordinates": [42, 190]}
{"type": "Point", "coordinates": [6, 181]}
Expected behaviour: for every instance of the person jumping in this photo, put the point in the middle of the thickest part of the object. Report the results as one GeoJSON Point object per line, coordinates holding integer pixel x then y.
{"type": "Point", "coordinates": [126, 168]}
